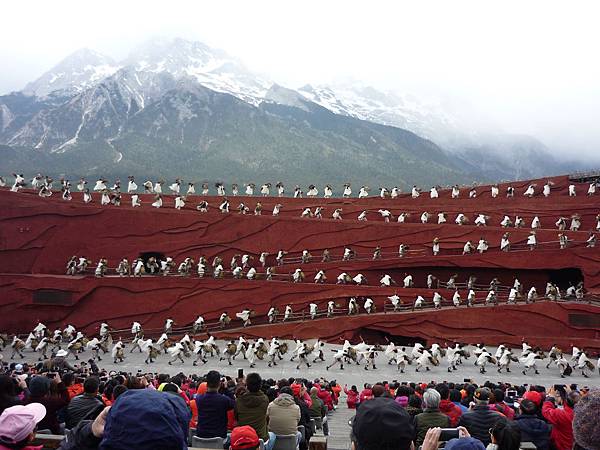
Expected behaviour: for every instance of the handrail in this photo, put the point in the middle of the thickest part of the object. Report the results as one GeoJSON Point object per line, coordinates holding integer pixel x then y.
{"type": "Point", "coordinates": [298, 316]}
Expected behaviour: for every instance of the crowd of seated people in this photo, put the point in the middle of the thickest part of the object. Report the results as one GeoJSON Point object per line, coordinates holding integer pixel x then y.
{"type": "Point", "coordinates": [94, 409]}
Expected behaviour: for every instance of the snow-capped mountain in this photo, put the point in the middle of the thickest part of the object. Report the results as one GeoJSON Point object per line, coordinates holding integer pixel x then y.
{"type": "Point", "coordinates": [213, 68]}
{"type": "Point", "coordinates": [76, 72]}
{"type": "Point", "coordinates": [388, 108]}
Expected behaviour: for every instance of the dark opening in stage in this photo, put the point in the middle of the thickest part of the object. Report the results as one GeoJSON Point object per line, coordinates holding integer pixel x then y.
{"type": "Point", "coordinates": [147, 255]}
{"type": "Point", "coordinates": [563, 278]}
{"type": "Point", "coordinates": [372, 336]}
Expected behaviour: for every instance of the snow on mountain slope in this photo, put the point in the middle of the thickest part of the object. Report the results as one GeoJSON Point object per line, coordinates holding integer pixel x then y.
{"type": "Point", "coordinates": [78, 71]}
{"type": "Point", "coordinates": [212, 68]}
{"type": "Point", "coordinates": [388, 108]}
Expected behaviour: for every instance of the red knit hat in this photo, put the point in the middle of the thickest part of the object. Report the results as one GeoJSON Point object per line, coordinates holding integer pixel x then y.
{"type": "Point", "coordinates": [296, 389]}
{"type": "Point", "coordinates": [534, 396]}
{"type": "Point", "coordinates": [243, 437]}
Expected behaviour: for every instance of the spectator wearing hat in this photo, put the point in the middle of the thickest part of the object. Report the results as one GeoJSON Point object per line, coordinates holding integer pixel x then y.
{"type": "Point", "coordinates": [251, 409]}
{"type": "Point", "coordinates": [381, 423]}
{"type": "Point", "coordinates": [58, 363]}
{"type": "Point", "coordinates": [141, 419]}
{"type": "Point", "coordinates": [480, 418]}
{"type": "Point", "coordinates": [17, 426]}
{"type": "Point", "coordinates": [284, 415]}
{"type": "Point", "coordinates": [244, 438]}
{"type": "Point", "coordinates": [586, 429]}
{"type": "Point", "coordinates": [84, 406]}
{"type": "Point", "coordinates": [39, 392]}
{"type": "Point", "coordinates": [431, 416]}
{"type": "Point", "coordinates": [213, 408]}
{"type": "Point", "coordinates": [561, 419]}
{"type": "Point", "coordinates": [532, 428]}
{"type": "Point", "coordinates": [447, 407]}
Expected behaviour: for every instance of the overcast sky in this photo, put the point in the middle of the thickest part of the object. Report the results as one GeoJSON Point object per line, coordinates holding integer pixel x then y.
{"type": "Point", "coordinates": [528, 66]}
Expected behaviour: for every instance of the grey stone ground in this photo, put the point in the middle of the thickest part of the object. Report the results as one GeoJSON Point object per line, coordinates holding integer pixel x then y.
{"type": "Point", "coordinates": [352, 373]}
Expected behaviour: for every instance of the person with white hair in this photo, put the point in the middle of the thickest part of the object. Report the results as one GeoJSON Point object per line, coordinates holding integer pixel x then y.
{"type": "Point", "coordinates": [433, 192]}
{"type": "Point", "coordinates": [362, 216]}
{"type": "Point", "coordinates": [337, 214]}
{"type": "Point", "coordinates": [506, 222]}
{"type": "Point", "coordinates": [415, 192]}
{"type": "Point", "coordinates": [484, 359]}
{"type": "Point", "coordinates": [395, 192]}
{"type": "Point", "coordinates": [424, 217]}
{"type": "Point", "coordinates": [327, 191]}
{"type": "Point", "coordinates": [572, 192]}
{"type": "Point", "coordinates": [529, 362]}
{"type": "Point", "coordinates": [250, 189]}
{"type": "Point", "coordinates": [441, 218]}
{"type": "Point", "coordinates": [546, 189]}
{"type": "Point", "coordinates": [536, 223]}
{"type": "Point", "coordinates": [363, 192]}
{"type": "Point", "coordinates": [408, 281]}
{"type": "Point", "coordinates": [504, 360]}
{"type": "Point", "coordinates": [369, 305]}
{"type": "Point", "coordinates": [403, 216]}
{"type": "Point", "coordinates": [383, 192]}
{"type": "Point", "coordinates": [116, 352]}
{"type": "Point", "coordinates": [157, 201]}
{"type": "Point", "coordinates": [532, 240]}
{"type": "Point", "coordinates": [482, 246]}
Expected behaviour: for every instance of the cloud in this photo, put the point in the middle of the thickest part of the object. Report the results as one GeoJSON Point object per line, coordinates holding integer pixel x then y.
{"type": "Point", "coordinates": [529, 67]}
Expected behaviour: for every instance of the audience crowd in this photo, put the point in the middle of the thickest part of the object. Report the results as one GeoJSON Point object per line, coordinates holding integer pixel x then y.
{"type": "Point", "coordinates": [96, 409]}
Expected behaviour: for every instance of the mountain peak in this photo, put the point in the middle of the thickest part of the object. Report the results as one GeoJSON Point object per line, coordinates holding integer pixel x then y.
{"type": "Point", "coordinates": [79, 70]}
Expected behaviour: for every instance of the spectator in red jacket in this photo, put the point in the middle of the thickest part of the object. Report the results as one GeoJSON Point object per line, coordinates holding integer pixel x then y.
{"type": "Point", "coordinates": [366, 393]}
{"type": "Point", "coordinates": [326, 397]}
{"type": "Point", "coordinates": [446, 406]}
{"type": "Point", "coordinates": [560, 419]}
{"type": "Point", "coordinates": [351, 396]}
{"type": "Point", "coordinates": [500, 405]}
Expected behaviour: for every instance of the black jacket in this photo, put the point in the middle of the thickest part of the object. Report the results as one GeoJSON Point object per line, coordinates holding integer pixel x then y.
{"type": "Point", "coordinates": [479, 420]}
{"type": "Point", "coordinates": [534, 430]}
{"type": "Point", "coordinates": [84, 406]}
{"type": "Point", "coordinates": [80, 438]}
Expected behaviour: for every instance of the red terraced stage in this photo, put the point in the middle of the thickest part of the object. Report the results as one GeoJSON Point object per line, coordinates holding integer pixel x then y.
{"type": "Point", "coordinates": [39, 235]}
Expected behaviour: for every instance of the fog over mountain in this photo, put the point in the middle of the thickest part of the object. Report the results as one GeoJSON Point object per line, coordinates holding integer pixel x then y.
{"type": "Point", "coordinates": [474, 79]}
